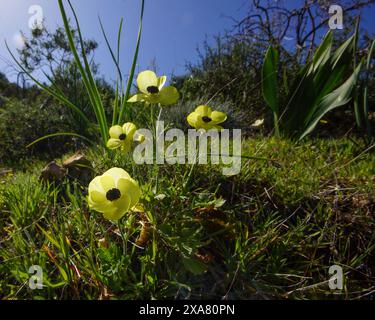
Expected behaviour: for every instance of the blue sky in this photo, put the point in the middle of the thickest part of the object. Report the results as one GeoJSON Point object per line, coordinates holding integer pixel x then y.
{"type": "Point", "coordinates": [172, 28]}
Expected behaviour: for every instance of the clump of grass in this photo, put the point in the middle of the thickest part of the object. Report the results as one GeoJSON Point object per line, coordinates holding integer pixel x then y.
{"type": "Point", "coordinates": [271, 232]}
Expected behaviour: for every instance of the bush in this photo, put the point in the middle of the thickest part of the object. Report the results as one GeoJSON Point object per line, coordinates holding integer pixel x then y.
{"type": "Point", "coordinates": [27, 114]}
{"type": "Point", "coordinates": [22, 122]}
{"type": "Point", "coordinates": [230, 71]}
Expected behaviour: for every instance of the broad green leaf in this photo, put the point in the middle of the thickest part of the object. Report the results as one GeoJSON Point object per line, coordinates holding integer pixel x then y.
{"type": "Point", "coordinates": [269, 79]}
{"type": "Point", "coordinates": [346, 48]}
{"type": "Point", "coordinates": [300, 102]}
{"type": "Point", "coordinates": [323, 53]}
{"type": "Point", "coordinates": [340, 97]}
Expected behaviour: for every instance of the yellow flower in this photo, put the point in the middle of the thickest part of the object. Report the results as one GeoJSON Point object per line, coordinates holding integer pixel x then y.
{"type": "Point", "coordinates": [204, 118]}
{"type": "Point", "coordinates": [113, 193]}
{"type": "Point", "coordinates": [153, 90]}
{"type": "Point", "coordinates": [122, 137]}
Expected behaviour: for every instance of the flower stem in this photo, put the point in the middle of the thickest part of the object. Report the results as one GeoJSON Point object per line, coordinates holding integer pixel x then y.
{"type": "Point", "coordinates": [123, 237]}
{"type": "Point", "coordinates": [156, 135]}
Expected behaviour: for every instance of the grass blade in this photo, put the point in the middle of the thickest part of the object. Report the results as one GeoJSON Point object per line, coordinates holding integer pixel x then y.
{"type": "Point", "coordinates": [97, 98]}
{"type": "Point", "coordinates": [58, 135]}
{"type": "Point", "coordinates": [335, 99]}
{"type": "Point", "coordinates": [135, 58]}
{"type": "Point", "coordinates": [115, 60]}
{"type": "Point", "coordinates": [89, 84]}
{"type": "Point", "coordinates": [269, 84]}
{"type": "Point", "coordinates": [57, 95]}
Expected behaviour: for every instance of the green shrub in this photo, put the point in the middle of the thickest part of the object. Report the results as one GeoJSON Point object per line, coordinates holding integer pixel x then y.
{"type": "Point", "coordinates": [229, 71]}
{"type": "Point", "coordinates": [22, 122]}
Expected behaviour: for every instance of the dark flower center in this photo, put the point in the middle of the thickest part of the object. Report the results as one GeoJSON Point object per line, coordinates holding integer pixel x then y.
{"type": "Point", "coordinates": [153, 89]}
{"type": "Point", "coordinates": [122, 137]}
{"type": "Point", "coordinates": [206, 119]}
{"type": "Point", "coordinates": [113, 194]}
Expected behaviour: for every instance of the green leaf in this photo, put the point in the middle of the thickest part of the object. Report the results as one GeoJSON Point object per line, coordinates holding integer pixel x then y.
{"type": "Point", "coordinates": [365, 107]}
{"type": "Point", "coordinates": [58, 135]}
{"type": "Point", "coordinates": [193, 265]}
{"type": "Point", "coordinates": [323, 53]}
{"type": "Point", "coordinates": [132, 71]}
{"type": "Point", "coordinates": [49, 237]}
{"type": "Point", "coordinates": [57, 94]}
{"type": "Point", "coordinates": [269, 79]}
{"type": "Point", "coordinates": [85, 72]}
{"type": "Point", "coordinates": [340, 97]}
{"type": "Point", "coordinates": [346, 49]}
{"type": "Point", "coordinates": [114, 58]}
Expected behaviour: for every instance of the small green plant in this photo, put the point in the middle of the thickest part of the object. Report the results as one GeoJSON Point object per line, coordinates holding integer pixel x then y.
{"type": "Point", "coordinates": [317, 89]}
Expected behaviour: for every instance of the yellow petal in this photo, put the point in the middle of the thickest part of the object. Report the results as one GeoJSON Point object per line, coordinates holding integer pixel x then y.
{"type": "Point", "coordinates": [130, 188]}
{"type": "Point", "coordinates": [115, 132]}
{"type": "Point", "coordinates": [137, 98]}
{"type": "Point", "coordinates": [129, 129]}
{"type": "Point", "coordinates": [95, 185]}
{"type": "Point", "coordinates": [97, 196]}
{"type": "Point", "coordinates": [107, 182]}
{"type": "Point", "coordinates": [113, 143]}
{"type": "Point", "coordinates": [147, 79]}
{"type": "Point", "coordinates": [117, 173]}
{"type": "Point", "coordinates": [161, 82]}
{"type": "Point", "coordinates": [99, 206]}
{"type": "Point", "coordinates": [203, 111]}
{"type": "Point", "coordinates": [192, 119]}
{"type": "Point", "coordinates": [168, 95]}
{"type": "Point", "coordinates": [118, 209]}
{"type": "Point", "coordinates": [218, 117]}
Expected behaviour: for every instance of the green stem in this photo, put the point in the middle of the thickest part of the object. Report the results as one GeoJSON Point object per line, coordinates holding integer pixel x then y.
{"type": "Point", "coordinates": [157, 166]}
{"type": "Point", "coordinates": [188, 178]}
{"type": "Point", "coordinates": [123, 237]}
{"type": "Point", "coordinates": [276, 122]}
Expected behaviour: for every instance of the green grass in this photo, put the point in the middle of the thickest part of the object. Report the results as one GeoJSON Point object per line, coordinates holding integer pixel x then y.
{"type": "Point", "coordinates": [271, 232]}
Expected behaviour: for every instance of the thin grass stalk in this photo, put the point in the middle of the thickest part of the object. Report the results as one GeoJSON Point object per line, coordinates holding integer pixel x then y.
{"type": "Point", "coordinates": [131, 76]}
{"type": "Point", "coordinates": [96, 92]}
{"type": "Point", "coordinates": [87, 83]}
{"type": "Point", "coordinates": [116, 60]}
{"type": "Point", "coordinates": [58, 95]}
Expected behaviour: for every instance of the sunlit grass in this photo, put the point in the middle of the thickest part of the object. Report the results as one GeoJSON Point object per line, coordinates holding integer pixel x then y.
{"type": "Point", "coordinates": [270, 232]}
